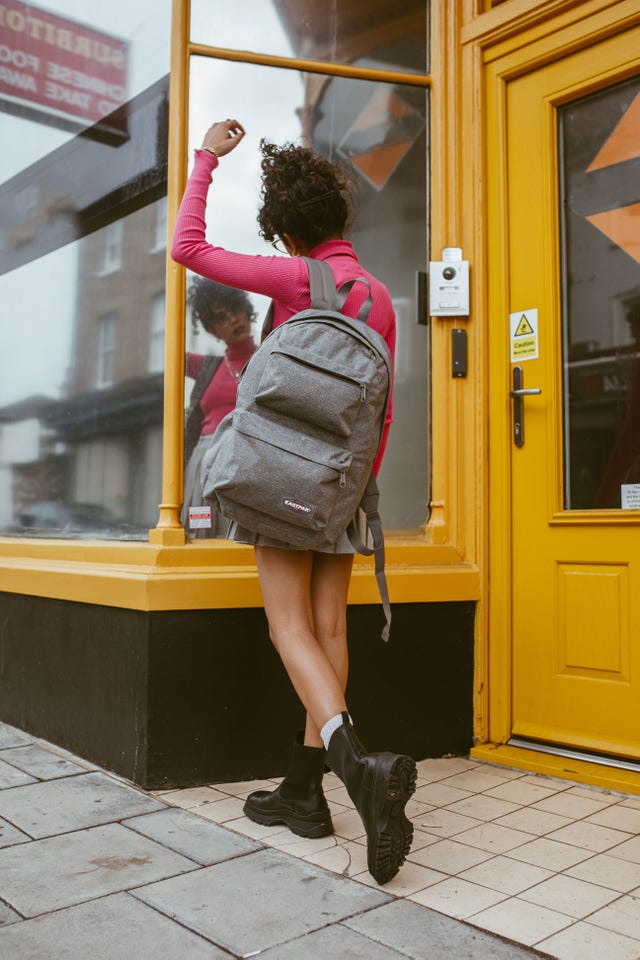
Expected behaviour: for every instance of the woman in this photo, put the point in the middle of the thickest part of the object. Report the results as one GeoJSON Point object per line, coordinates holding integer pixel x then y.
{"type": "Point", "coordinates": [305, 206]}
{"type": "Point", "coordinates": [226, 314]}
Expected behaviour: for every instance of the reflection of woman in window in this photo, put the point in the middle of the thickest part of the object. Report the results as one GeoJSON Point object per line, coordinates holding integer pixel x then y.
{"type": "Point", "coordinates": [226, 314]}
{"type": "Point", "coordinates": [306, 206]}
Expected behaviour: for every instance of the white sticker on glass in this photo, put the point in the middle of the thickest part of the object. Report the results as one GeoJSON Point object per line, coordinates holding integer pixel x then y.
{"type": "Point", "coordinates": [199, 517]}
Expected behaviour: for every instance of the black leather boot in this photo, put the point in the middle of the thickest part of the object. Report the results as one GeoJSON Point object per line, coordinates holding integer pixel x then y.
{"type": "Point", "coordinates": [298, 802]}
{"type": "Point", "coordinates": [380, 784]}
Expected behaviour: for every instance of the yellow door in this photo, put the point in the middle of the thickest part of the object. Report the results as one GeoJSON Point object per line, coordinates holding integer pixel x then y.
{"type": "Point", "coordinates": [565, 323]}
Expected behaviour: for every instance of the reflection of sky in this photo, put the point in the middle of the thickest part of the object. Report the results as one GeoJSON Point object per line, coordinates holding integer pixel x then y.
{"type": "Point", "coordinates": [243, 24]}
{"type": "Point", "coordinates": [38, 301]}
{"type": "Point", "coordinates": [220, 89]}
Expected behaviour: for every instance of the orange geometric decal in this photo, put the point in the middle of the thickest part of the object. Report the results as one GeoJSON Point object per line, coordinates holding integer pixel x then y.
{"type": "Point", "coordinates": [379, 162]}
{"type": "Point", "coordinates": [624, 141]}
{"type": "Point", "coordinates": [621, 225]}
{"type": "Point", "coordinates": [381, 135]}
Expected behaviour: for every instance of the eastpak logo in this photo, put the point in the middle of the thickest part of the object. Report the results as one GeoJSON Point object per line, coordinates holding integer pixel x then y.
{"type": "Point", "coordinates": [298, 507]}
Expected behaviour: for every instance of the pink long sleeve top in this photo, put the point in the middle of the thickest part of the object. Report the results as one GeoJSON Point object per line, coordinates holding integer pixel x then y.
{"type": "Point", "coordinates": [284, 279]}
{"type": "Point", "coordinates": [219, 397]}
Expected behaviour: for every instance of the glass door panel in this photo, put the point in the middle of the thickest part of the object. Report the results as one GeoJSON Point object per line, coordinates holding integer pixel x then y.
{"type": "Point", "coordinates": [599, 138]}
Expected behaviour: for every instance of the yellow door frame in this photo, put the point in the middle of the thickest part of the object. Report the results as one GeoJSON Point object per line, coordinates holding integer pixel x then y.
{"type": "Point", "coordinates": [499, 46]}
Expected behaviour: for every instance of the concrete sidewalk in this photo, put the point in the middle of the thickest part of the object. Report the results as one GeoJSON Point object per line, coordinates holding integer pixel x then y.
{"type": "Point", "coordinates": [91, 866]}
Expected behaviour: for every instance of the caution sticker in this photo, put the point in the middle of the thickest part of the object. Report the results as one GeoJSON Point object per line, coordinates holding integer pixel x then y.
{"type": "Point", "coordinates": [199, 518]}
{"type": "Point", "coordinates": [524, 335]}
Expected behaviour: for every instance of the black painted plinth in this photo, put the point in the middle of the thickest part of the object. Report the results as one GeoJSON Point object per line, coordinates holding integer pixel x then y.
{"type": "Point", "coordinates": [179, 698]}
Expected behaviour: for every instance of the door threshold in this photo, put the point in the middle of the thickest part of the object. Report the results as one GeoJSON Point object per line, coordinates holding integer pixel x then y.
{"type": "Point", "coordinates": [591, 771]}
{"type": "Point", "coordinates": [606, 760]}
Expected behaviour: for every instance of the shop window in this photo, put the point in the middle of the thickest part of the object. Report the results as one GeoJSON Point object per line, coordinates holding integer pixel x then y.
{"type": "Point", "coordinates": [156, 334]}
{"type": "Point", "coordinates": [112, 259]}
{"type": "Point", "coordinates": [377, 130]}
{"type": "Point", "coordinates": [106, 349]}
{"type": "Point", "coordinates": [83, 171]}
{"type": "Point", "coordinates": [160, 226]}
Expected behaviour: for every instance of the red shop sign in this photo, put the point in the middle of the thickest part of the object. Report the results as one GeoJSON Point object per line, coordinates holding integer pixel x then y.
{"type": "Point", "coordinates": [65, 67]}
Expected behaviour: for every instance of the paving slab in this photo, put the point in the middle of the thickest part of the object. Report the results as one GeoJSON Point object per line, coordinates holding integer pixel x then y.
{"type": "Point", "coordinates": [7, 915]}
{"type": "Point", "coordinates": [40, 763]}
{"type": "Point", "coordinates": [198, 839]}
{"type": "Point", "coordinates": [12, 777]}
{"type": "Point", "coordinates": [12, 738]}
{"type": "Point", "coordinates": [424, 934]}
{"type": "Point", "coordinates": [112, 928]}
{"type": "Point", "coordinates": [10, 835]}
{"type": "Point", "coordinates": [60, 871]}
{"type": "Point", "coordinates": [258, 901]}
{"type": "Point", "coordinates": [338, 943]}
{"type": "Point", "coordinates": [58, 806]}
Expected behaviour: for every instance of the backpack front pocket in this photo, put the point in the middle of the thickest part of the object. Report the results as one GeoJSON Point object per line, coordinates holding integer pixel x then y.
{"type": "Point", "coordinates": [279, 472]}
{"type": "Point", "coordinates": [325, 397]}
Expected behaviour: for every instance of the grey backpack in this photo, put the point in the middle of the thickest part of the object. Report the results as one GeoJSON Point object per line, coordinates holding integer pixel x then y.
{"type": "Point", "coordinates": [294, 459]}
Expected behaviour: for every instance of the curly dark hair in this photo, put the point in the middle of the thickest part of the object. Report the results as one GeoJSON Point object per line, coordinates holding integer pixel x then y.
{"type": "Point", "coordinates": [303, 194]}
{"type": "Point", "coordinates": [212, 302]}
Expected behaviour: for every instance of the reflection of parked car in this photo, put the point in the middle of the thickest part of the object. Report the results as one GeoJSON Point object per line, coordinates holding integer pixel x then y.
{"type": "Point", "coordinates": [55, 518]}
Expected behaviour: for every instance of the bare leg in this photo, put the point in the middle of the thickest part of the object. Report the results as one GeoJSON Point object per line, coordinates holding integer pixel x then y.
{"type": "Point", "coordinates": [330, 580]}
{"type": "Point", "coordinates": [305, 600]}
{"type": "Point", "coordinates": [298, 589]}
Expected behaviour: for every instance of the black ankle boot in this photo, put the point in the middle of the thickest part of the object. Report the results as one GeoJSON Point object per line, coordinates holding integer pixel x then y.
{"type": "Point", "coordinates": [298, 802]}
{"type": "Point", "coordinates": [380, 784]}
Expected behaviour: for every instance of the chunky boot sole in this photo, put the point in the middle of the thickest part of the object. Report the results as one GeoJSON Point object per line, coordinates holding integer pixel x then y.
{"type": "Point", "coordinates": [311, 826]}
{"type": "Point", "coordinates": [389, 782]}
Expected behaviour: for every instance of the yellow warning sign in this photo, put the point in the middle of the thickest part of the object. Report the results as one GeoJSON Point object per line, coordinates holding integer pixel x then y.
{"type": "Point", "coordinates": [524, 327]}
{"type": "Point", "coordinates": [524, 335]}
{"type": "Point", "coordinates": [524, 349]}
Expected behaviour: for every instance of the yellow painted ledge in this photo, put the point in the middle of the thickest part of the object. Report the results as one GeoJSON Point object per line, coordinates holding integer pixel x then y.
{"type": "Point", "coordinates": [580, 771]}
{"type": "Point", "coordinates": [220, 575]}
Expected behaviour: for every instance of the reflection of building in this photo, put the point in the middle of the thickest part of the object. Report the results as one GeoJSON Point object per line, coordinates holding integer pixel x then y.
{"type": "Point", "coordinates": [106, 432]}
{"type": "Point", "coordinates": [32, 467]}
{"type": "Point", "coordinates": [102, 442]}
{"type": "Point", "coordinates": [111, 417]}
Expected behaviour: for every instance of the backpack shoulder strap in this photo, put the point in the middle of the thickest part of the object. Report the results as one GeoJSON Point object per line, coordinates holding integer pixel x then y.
{"type": "Point", "coordinates": [324, 295]}
{"type": "Point", "coordinates": [367, 303]}
{"type": "Point", "coordinates": [369, 506]}
{"type": "Point", "coordinates": [322, 284]}
{"type": "Point", "coordinates": [267, 323]}
{"type": "Point", "coordinates": [206, 372]}
{"type": "Point", "coordinates": [322, 287]}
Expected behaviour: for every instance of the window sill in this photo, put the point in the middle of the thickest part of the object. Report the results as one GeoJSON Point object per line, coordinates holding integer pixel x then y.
{"type": "Point", "coordinates": [201, 575]}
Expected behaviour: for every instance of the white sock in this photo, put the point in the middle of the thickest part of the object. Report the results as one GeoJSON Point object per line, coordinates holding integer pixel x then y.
{"type": "Point", "coordinates": [330, 728]}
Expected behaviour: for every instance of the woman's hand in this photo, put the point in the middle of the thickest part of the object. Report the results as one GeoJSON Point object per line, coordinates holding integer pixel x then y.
{"type": "Point", "coordinates": [223, 137]}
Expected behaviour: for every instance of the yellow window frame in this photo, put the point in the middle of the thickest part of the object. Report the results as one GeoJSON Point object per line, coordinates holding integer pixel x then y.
{"type": "Point", "coordinates": [168, 572]}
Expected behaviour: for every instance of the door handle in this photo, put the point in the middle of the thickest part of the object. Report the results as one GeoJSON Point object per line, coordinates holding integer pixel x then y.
{"type": "Point", "coordinates": [517, 394]}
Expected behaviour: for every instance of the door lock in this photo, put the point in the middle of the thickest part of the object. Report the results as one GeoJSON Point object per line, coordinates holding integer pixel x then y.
{"type": "Point", "coordinates": [518, 394]}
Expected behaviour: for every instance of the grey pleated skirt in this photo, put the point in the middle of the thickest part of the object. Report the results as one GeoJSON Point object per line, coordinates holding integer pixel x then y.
{"type": "Point", "coordinates": [193, 496]}
{"type": "Point", "coordinates": [342, 545]}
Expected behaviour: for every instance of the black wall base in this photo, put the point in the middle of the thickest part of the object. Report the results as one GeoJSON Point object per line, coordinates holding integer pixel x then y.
{"type": "Point", "coordinates": [181, 698]}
